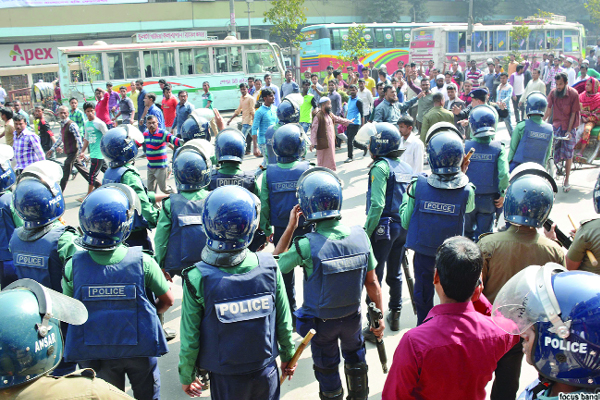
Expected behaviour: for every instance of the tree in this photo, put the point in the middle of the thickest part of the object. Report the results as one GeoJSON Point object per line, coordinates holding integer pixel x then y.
{"type": "Point", "coordinates": [518, 33]}
{"type": "Point", "coordinates": [355, 46]}
{"type": "Point", "coordinates": [384, 11]}
{"type": "Point", "coordinates": [484, 9]}
{"type": "Point", "coordinates": [593, 7]}
{"type": "Point", "coordinates": [87, 66]}
{"type": "Point", "coordinates": [418, 11]}
{"type": "Point", "coordinates": [287, 18]}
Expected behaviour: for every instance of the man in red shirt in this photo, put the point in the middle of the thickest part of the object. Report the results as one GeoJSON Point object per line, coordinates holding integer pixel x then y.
{"type": "Point", "coordinates": [102, 113]}
{"type": "Point", "coordinates": [564, 106]}
{"type": "Point", "coordinates": [455, 341]}
{"type": "Point", "coordinates": [169, 106]}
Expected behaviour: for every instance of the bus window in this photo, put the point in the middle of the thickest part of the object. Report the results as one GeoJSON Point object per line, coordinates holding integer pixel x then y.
{"type": "Point", "coordinates": [457, 42]}
{"type": "Point", "coordinates": [536, 39]}
{"type": "Point", "coordinates": [554, 39]}
{"type": "Point", "coordinates": [571, 41]}
{"type": "Point", "coordinates": [520, 44]}
{"type": "Point", "coordinates": [419, 35]}
{"type": "Point", "coordinates": [166, 59]}
{"type": "Point", "coordinates": [186, 62]}
{"type": "Point", "coordinates": [235, 59]}
{"type": "Point", "coordinates": [368, 35]}
{"type": "Point", "coordinates": [500, 39]}
{"type": "Point", "coordinates": [479, 42]}
{"type": "Point", "coordinates": [202, 61]}
{"type": "Point", "coordinates": [115, 66]}
{"type": "Point", "coordinates": [313, 34]}
{"type": "Point", "coordinates": [336, 40]}
{"type": "Point", "coordinates": [261, 62]}
{"type": "Point", "coordinates": [151, 66]}
{"type": "Point", "coordinates": [220, 59]}
{"type": "Point", "coordinates": [82, 74]}
{"type": "Point", "coordinates": [388, 39]}
{"type": "Point", "coordinates": [132, 65]}
{"type": "Point", "coordinates": [401, 38]}
{"type": "Point", "coordinates": [379, 38]}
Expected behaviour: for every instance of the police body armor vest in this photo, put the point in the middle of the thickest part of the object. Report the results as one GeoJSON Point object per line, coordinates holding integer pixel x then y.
{"type": "Point", "coordinates": [7, 225]}
{"type": "Point", "coordinates": [534, 144]}
{"type": "Point", "coordinates": [187, 238]}
{"type": "Point", "coordinates": [122, 322]}
{"type": "Point", "coordinates": [238, 331]}
{"type": "Point", "coordinates": [282, 191]}
{"type": "Point", "coordinates": [483, 171]}
{"type": "Point", "coordinates": [246, 180]}
{"type": "Point", "coordinates": [114, 175]}
{"type": "Point", "coordinates": [399, 177]}
{"type": "Point", "coordinates": [334, 288]}
{"type": "Point", "coordinates": [38, 259]}
{"type": "Point", "coordinates": [438, 215]}
{"type": "Point", "coordinates": [271, 156]}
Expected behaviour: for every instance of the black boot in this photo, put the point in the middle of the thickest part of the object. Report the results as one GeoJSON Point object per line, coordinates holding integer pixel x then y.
{"type": "Point", "coordinates": [357, 381]}
{"type": "Point", "coordinates": [393, 320]}
{"type": "Point", "coordinates": [332, 395]}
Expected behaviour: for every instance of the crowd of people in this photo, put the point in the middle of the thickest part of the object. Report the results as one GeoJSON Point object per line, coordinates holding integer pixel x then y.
{"type": "Point", "coordinates": [95, 297]}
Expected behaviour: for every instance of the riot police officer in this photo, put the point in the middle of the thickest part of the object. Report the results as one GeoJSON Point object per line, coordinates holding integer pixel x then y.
{"type": "Point", "coordinates": [532, 138]}
{"type": "Point", "coordinates": [559, 328]}
{"type": "Point", "coordinates": [278, 190]}
{"type": "Point", "coordinates": [288, 112]}
{"type": "Point", "coordinates": [10, 218]}
{"type": "Point", "coordinates": [119, 149]}
{"type": "Point", "coordinates": [488, 171]}
{"type": "Point", "coordinates": [388, 179]}
{"type": "Point", "coordinates": [42, 246]}
{"type": "Point", "coordinates": [337, 262]}
{"type": "Point", "coordinates": [435, 206]}
{"type": "Point", "coordinates": [528, 202]}
{"type": "Point", "coordinates": [234, 311]}
{"type": "Point", "coordinates": [195, 127]}
{"type": "Point", "coordinates": [31, 340]}
{"type": "Point", "coordinates": [179, 236]}
{"type": "Point", "coordinates": [123, 334]}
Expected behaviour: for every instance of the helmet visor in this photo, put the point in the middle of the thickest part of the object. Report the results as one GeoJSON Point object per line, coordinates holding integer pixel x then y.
{"type": "Point", "coordinates": [6, 154]}
{"type": "Point", "coordinates": [527, 298]}
{"type": "Point", "coordinates": [531, 168]}
{"type": "Point", "coordinates": [53, 304]}
{"type": "Point", "coordinates": [134, 133]}
{"type": "Point", "coordinates": [132, 196]}
{"type": "Point", "coordinates": [202, 146]}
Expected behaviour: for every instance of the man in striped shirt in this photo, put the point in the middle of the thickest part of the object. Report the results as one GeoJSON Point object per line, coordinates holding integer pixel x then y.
{"type": "Point", "coordinates": [156, 152]}
{"type": "Point", "coordinates": [76, 115]}
{"type": "Point", "coordinates": [474, 74]}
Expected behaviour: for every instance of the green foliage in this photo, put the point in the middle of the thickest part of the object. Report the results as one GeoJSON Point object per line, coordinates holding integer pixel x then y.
{"type": "Point", "coordinates": [287, 18]}
{"type": "Point", "coordinates": [418, 11]}
{"type": "Point", "coordinates": [593, 7]}
{"type": "Point", "coordinates": [484, 9]}
{"type": "Point", "coordinates": [355, 46]}
{"type": "Point", "coordinates": [518, 33]}
{"type": "Point", "coordinates": [87, 66]}
{"type": "Point", "coordinates": [384, 11]}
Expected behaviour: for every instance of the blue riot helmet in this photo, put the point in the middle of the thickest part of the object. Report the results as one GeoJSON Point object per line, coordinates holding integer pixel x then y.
{"type": "Point", "coordinates": [530, 195]}
{"type": "Point", "coordinates": [195, 127]}
{"type": "Point", "coordinates": [31, 343]}
{"type": "Point", "coordinates": [191, 166]}
{"type": "Point", "coordinates": [563, 307]}
{"type": "Point", "coordinates": [482, 120]}
{"type": "Point", "coordinates": [288, 112]}
{"type": "Point", "coordinates": [230, 219]}
{"type": "Point", "coordinates": [289, 143]}
{"type": "Point", "coordinates": [597, 195]}
{"type": "Point", "coordinates": [536, 104]}
{"type": "Point", "coordinates": [319, 192]}
{"type": "Point", "coordinates": [106, 216]}
{"type": "Point", "coordinates": [387, 139]}
{"type": "Point", "coordinates": [445, 149]}
{"type": "Point", "coordinates": [230, 145]}
{"type": "Point", "coordinates": [120, 145]}
{"type": "Point", "coordinates": [7, 175]}
{"type": "Point", "coordinates": [37, 198]}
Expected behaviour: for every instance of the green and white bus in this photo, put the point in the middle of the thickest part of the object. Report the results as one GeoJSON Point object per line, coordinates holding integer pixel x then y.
{"type": "Point", "coordinates": [224, 64]}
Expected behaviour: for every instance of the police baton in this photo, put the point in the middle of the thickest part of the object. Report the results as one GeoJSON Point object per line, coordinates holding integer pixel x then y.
{"type": "Point", "coordinates": [375, 315]}
{"type": "Point", "coordinates": [587, 252]}
{"type": "Point", "coordinates": [298, 353]}
{"type": "Point", "coordinates": [410, 282]}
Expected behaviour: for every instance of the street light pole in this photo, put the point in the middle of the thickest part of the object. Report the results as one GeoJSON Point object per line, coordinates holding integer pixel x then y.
{"type": "Point", "coordinates": [249, 24]}
{"type": "Point", "coordinates": [232, 17]}
{"type": "Point", "coordinates": [470, 32]}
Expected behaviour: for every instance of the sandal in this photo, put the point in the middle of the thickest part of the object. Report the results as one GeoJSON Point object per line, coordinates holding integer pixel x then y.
{"type": "Point", "coordinates": [80, 199]}
{"type": "Point", "coordinates": [566, 188]}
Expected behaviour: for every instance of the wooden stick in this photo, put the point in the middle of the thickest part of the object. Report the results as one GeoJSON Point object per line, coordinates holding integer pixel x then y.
{"type": "Point", "coordinates": [589, 254]}
{"type": "Point", "coordinates": [298, 353]}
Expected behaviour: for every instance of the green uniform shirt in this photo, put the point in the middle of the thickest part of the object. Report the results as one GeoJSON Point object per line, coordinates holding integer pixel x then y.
{"type": "Point", "coordinates": [234, 168]}
{"type": "Point", "coordinates": [586, 238]}
{"type": "Point", "coordinates": [192, 311]}
{"type": "Point", "coordinates": [265, 210]}
{"type": "Point", "coordinates": [163, 226]}
{"type": "Point", "coordinates": [153, 276]}
{"type": "Point", "coordinates": [518, 134]}
{"type": "Point", "coordinates": [132, 179]}
{"type": "Point", "coordinates": [408, 203]}
{"type": "Point", "coordinates": [378, 175]}
{"type": "Point", "coordinates": [433, 116]}
{"type": "Point", "coordinates": [502, 162]}
{"type": "Point", "coordinates": [333, 230]}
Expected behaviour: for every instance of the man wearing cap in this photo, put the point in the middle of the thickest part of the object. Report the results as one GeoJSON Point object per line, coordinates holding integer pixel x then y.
{"type": "Point", "coordinates": [440, 86]}
{"type": "Point", "coordinates": [570, 71]}
{"type": "Point", "coordinates": [478, 97]}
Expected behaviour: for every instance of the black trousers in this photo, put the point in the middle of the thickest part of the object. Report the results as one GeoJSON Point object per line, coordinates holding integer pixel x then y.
{"type": "Point", "coordinates": [70, 162]}
{"type": "Point", "coordinates": [508, 372]}
{"type": "Point", "coordinates": [351, 132]}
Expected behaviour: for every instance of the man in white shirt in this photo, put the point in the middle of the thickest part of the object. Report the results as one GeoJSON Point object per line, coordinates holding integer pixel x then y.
{"type": "Point", "coordinates": [570, 71]}
{"type": "Point", "coordinates": [366, 97]}
{"type": "Point", "coordinates": [2, 95]}
{"type": "Point", "coordinates": [517, 81]}
{"type": "Point", "coordinates": [440, 86]}
{"type": "Point", "coordinates": [413, 155]}
{"type": "Point", "coordinates": [534, 85]}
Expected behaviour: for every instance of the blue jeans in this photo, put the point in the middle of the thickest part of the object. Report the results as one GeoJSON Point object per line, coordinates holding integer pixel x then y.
{"type": "Point", "coordinates": [305, 126]}
{"type": "Point", "coordinates": [326, 351]}
{"type": "Point", "coordinates": [481, 219]}
{"type": "Point", "coordinates": [262, 384]}
{"type": "Point", "coordinates": [390, 253]}
{"type": "Point", "coordinates": [263, 150]}
{"type": "Point", "coordinates": [424, 289]}
{"type": "Point", "coordinates": [508, 124]}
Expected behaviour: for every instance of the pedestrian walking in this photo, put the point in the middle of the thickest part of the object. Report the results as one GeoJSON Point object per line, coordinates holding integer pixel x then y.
{"type": "Point", "coordinates": [323, 133]}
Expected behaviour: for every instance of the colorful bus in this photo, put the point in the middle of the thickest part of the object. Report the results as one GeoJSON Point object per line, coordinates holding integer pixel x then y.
{"type": "Point", "coordinates": [223, 64]}
{"type": "Point", "coordinates": [322, 45]}
{"type": "Point", "coordinates": [448, 42]}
